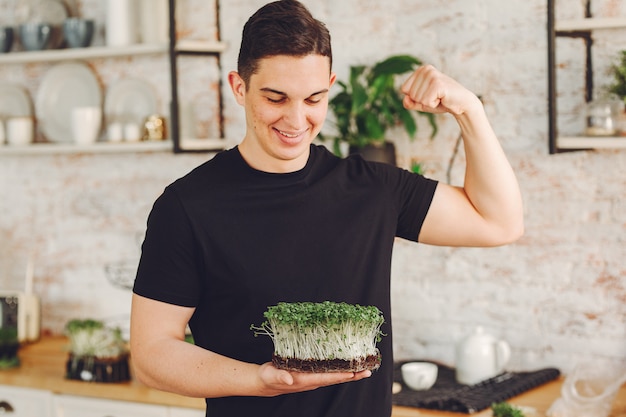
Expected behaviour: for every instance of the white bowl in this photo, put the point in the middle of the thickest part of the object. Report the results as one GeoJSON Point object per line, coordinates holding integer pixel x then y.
{"type": "Point", "coordinates": [419, 375]}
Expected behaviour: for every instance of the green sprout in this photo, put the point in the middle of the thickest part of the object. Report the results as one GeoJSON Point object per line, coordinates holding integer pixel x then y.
{"type": "Point", "coordinates": [504, 409]}
{"type": "Point", "coordinates": [92, 338]}
{"type": "Point", "coordinates": [320, 331]}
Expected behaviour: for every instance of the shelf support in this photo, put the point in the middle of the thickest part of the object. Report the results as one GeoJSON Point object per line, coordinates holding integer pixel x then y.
{"type": "Point", "coordinates": [552, 90]}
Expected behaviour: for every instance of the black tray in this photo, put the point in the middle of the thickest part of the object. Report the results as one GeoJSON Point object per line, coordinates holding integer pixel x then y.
{"type": "Point", "coordinates": [449, 395]}
{"type": "Point", "coordinates": [92, 369]}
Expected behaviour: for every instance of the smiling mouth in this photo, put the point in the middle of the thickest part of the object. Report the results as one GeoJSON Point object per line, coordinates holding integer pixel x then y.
{"type": "Point", "coordinates": [289, 135]}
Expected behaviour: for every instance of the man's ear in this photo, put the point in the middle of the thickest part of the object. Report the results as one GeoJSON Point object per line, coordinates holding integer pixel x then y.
{"type": "Point", "coordinates": [238, 87]}
{"type": "Point", "coordinates": [333, 78]}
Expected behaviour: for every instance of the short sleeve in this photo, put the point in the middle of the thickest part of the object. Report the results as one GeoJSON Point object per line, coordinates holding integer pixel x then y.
{"type": "Point", "coordinates": [169, 267]}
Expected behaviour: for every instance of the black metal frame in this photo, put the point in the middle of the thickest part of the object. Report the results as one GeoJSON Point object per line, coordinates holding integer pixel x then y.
{"type": "Point", "coordinates": [174, 53]}
{"type": "Point", "coordinates": [552, 95]}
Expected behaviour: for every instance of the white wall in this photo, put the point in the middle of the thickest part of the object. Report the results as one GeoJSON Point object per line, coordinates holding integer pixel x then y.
{"type": "Point", "coordinates": [558, 295]}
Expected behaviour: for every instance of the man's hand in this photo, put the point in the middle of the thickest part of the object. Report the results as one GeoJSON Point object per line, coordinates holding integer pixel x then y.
{"type": "Point", "coordinates": [278, 381]}
{"type": "Point", "coordinates": [429, 90]}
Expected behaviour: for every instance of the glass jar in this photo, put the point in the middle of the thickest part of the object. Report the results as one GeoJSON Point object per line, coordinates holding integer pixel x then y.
{"type": "Point", "coordinates": [602, 117]}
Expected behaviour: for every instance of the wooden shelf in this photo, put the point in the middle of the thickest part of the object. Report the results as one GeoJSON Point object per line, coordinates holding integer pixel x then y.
{"type": "Point", "coordinates": [190, 144]}
{"type": "Point", "coordinates": [591, 142]}
{"type": "Point", "coordinates": [98, 147]}
{"type": "Point", "coordinates": [199, 46]}
{"type": "Point", "coordinates": [590, 24]}
{"type": "Point", "coordinates": [81, 53]}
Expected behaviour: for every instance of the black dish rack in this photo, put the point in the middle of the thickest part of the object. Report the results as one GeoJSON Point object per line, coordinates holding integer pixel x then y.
{"type": "Point", "coordinates": [449, 395]}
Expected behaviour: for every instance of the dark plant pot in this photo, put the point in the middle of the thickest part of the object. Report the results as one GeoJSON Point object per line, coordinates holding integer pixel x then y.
{"type": "Point", "coordinates": [92, 369]}
{"type": "Point", "coordinates": [8, 354]}
{"type": "Point", "coordinates": [377, 152]}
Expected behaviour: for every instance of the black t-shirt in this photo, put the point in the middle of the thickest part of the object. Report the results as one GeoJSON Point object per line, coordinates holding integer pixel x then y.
{"type": "Point", "coordinates": [230, 241]}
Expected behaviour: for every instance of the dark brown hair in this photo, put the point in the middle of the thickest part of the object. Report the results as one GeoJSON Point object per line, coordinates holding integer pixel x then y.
{"type": "Point", "coordinates": [284, 27]}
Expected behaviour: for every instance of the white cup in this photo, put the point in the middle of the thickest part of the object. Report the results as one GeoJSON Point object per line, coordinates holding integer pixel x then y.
{"type": "Point", "coordinates": [115, 132]}
{"type": "Point", "coordinates": [132, 132]}
{"type": "Point", "coordinates": [86, 123]}
{"type": "Point", "coordinates": [419, 375]}
{"type": "Point", "coordinates": [20, 130]}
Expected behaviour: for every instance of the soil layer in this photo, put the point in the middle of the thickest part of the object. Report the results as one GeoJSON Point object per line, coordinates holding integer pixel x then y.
{"type": "Point", "coordinates": [371, 363]}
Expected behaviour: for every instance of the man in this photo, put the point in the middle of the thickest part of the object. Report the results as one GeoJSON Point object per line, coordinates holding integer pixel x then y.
{"type": "Point", "coordinates": [279, 219]}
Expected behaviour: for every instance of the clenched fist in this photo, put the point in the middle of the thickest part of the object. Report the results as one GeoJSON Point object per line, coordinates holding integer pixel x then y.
{"type": "Point", "coordinates": [429, 90]}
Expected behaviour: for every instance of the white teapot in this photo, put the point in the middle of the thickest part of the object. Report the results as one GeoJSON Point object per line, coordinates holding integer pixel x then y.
{"type": "Point", "coordinates": [480, 356]}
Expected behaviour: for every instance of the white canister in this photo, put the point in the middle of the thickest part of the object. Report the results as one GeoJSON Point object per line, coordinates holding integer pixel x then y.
{"type": "Point", "coordinates": [20, 130]}
{"type": "Point", "coordinates": [86, 124]}
{"type": "Point", "coordinates": [121, 22]}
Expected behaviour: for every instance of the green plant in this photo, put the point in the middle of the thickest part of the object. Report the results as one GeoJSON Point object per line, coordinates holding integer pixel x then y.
{"type": "Point", "coordinates": [504, 409]}
{"type": "Point", "coordinates": [92, 338]}
{"type": "Point", "coordinates": [321, 331]}
{"type": "Point", "coordinates": [619, 73]}
{"type": "Point", "coordinates": [370, 103]}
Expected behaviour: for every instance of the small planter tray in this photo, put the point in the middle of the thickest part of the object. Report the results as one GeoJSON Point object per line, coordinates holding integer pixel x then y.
{"type": "Point", "coordinates": [92, 369]}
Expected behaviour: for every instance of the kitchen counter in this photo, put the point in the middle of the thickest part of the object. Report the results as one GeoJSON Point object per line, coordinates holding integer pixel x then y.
{"type": "Point", "coordinates": [43, 367]}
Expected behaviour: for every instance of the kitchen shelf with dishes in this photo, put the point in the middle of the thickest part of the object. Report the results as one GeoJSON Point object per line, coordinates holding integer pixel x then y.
{"type": "Point", "coordinates": [124, 87]}
{"type": "Point", "coordinates": [579, 28]}
{"type": "Point", "coordinates": [48, 124]}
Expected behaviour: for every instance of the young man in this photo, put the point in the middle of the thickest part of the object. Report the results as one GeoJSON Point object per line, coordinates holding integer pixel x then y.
{"type": "Point", "coordinates": [279, 219]}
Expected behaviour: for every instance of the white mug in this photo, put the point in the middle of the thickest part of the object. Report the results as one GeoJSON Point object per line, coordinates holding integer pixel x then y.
{"type": "Point", "coordinates": [86, 123]}
{"type": "Point", "coordinates": [20, 130]}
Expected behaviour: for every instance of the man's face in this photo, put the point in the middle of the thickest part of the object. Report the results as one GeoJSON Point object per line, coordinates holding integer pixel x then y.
{"type": "Point", "coordinates": [285, 103]}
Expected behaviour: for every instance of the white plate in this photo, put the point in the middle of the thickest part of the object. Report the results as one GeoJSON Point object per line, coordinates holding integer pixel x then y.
{"type": "Point", "coordinates": [14, 101]}
{"type": "Point", "coordinates": [64, 87]}
{"type": "Point", "coordinates": [130, 100]}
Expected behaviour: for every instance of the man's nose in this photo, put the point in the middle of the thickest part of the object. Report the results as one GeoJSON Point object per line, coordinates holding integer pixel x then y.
{"type": "Point", "coordinates": [295, 115]}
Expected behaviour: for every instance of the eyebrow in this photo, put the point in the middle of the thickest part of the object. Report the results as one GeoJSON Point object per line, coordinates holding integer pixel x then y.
{"type": "Point", "coordinates": [280, 93]}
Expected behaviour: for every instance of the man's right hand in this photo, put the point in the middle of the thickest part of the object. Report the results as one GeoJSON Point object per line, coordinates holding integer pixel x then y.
{"type": "Point", "coordinates": [278, 381]}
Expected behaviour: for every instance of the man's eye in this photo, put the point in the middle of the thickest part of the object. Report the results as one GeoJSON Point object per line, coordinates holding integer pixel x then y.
{"type": "Point", "coordinates": [276, 100]}
{"type": "Point", "coordinates": [313, 101]}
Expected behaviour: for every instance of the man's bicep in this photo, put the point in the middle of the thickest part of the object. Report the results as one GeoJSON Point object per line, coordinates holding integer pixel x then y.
{"type": "Point", "coordinates": [452, 220]}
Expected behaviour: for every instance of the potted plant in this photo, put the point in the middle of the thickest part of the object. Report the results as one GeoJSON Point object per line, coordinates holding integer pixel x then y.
{"type": "Point", "coordinates": [97, 353]}
{"type": "Point", "coordinates": [619, 72]}
{"type": "Point", "coordinates": [369, 104]}
{"type": "Point", "coordinates": [619, 89]}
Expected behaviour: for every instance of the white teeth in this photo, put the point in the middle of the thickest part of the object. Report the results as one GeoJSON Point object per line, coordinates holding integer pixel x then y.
{"type": "Point", "coordinates": [287, 134]}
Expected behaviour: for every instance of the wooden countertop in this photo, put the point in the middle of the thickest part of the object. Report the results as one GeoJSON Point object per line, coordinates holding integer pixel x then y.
{"type": "Point", "coordinates": [43, 367]}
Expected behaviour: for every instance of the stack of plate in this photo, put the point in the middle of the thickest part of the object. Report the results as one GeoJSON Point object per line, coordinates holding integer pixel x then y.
{"type": "Point", "coordinates": [14, 101]}
{"type": "Point", "coordinates": [63, 88]}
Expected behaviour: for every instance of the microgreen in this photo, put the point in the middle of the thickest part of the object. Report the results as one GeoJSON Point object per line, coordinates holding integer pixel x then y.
{"type": "Point", "coordinates": [323, 330]}
{"type": "Point", "coordinates": [92, 338]}
{"type": "Point", "coordinates": [504, 409]}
